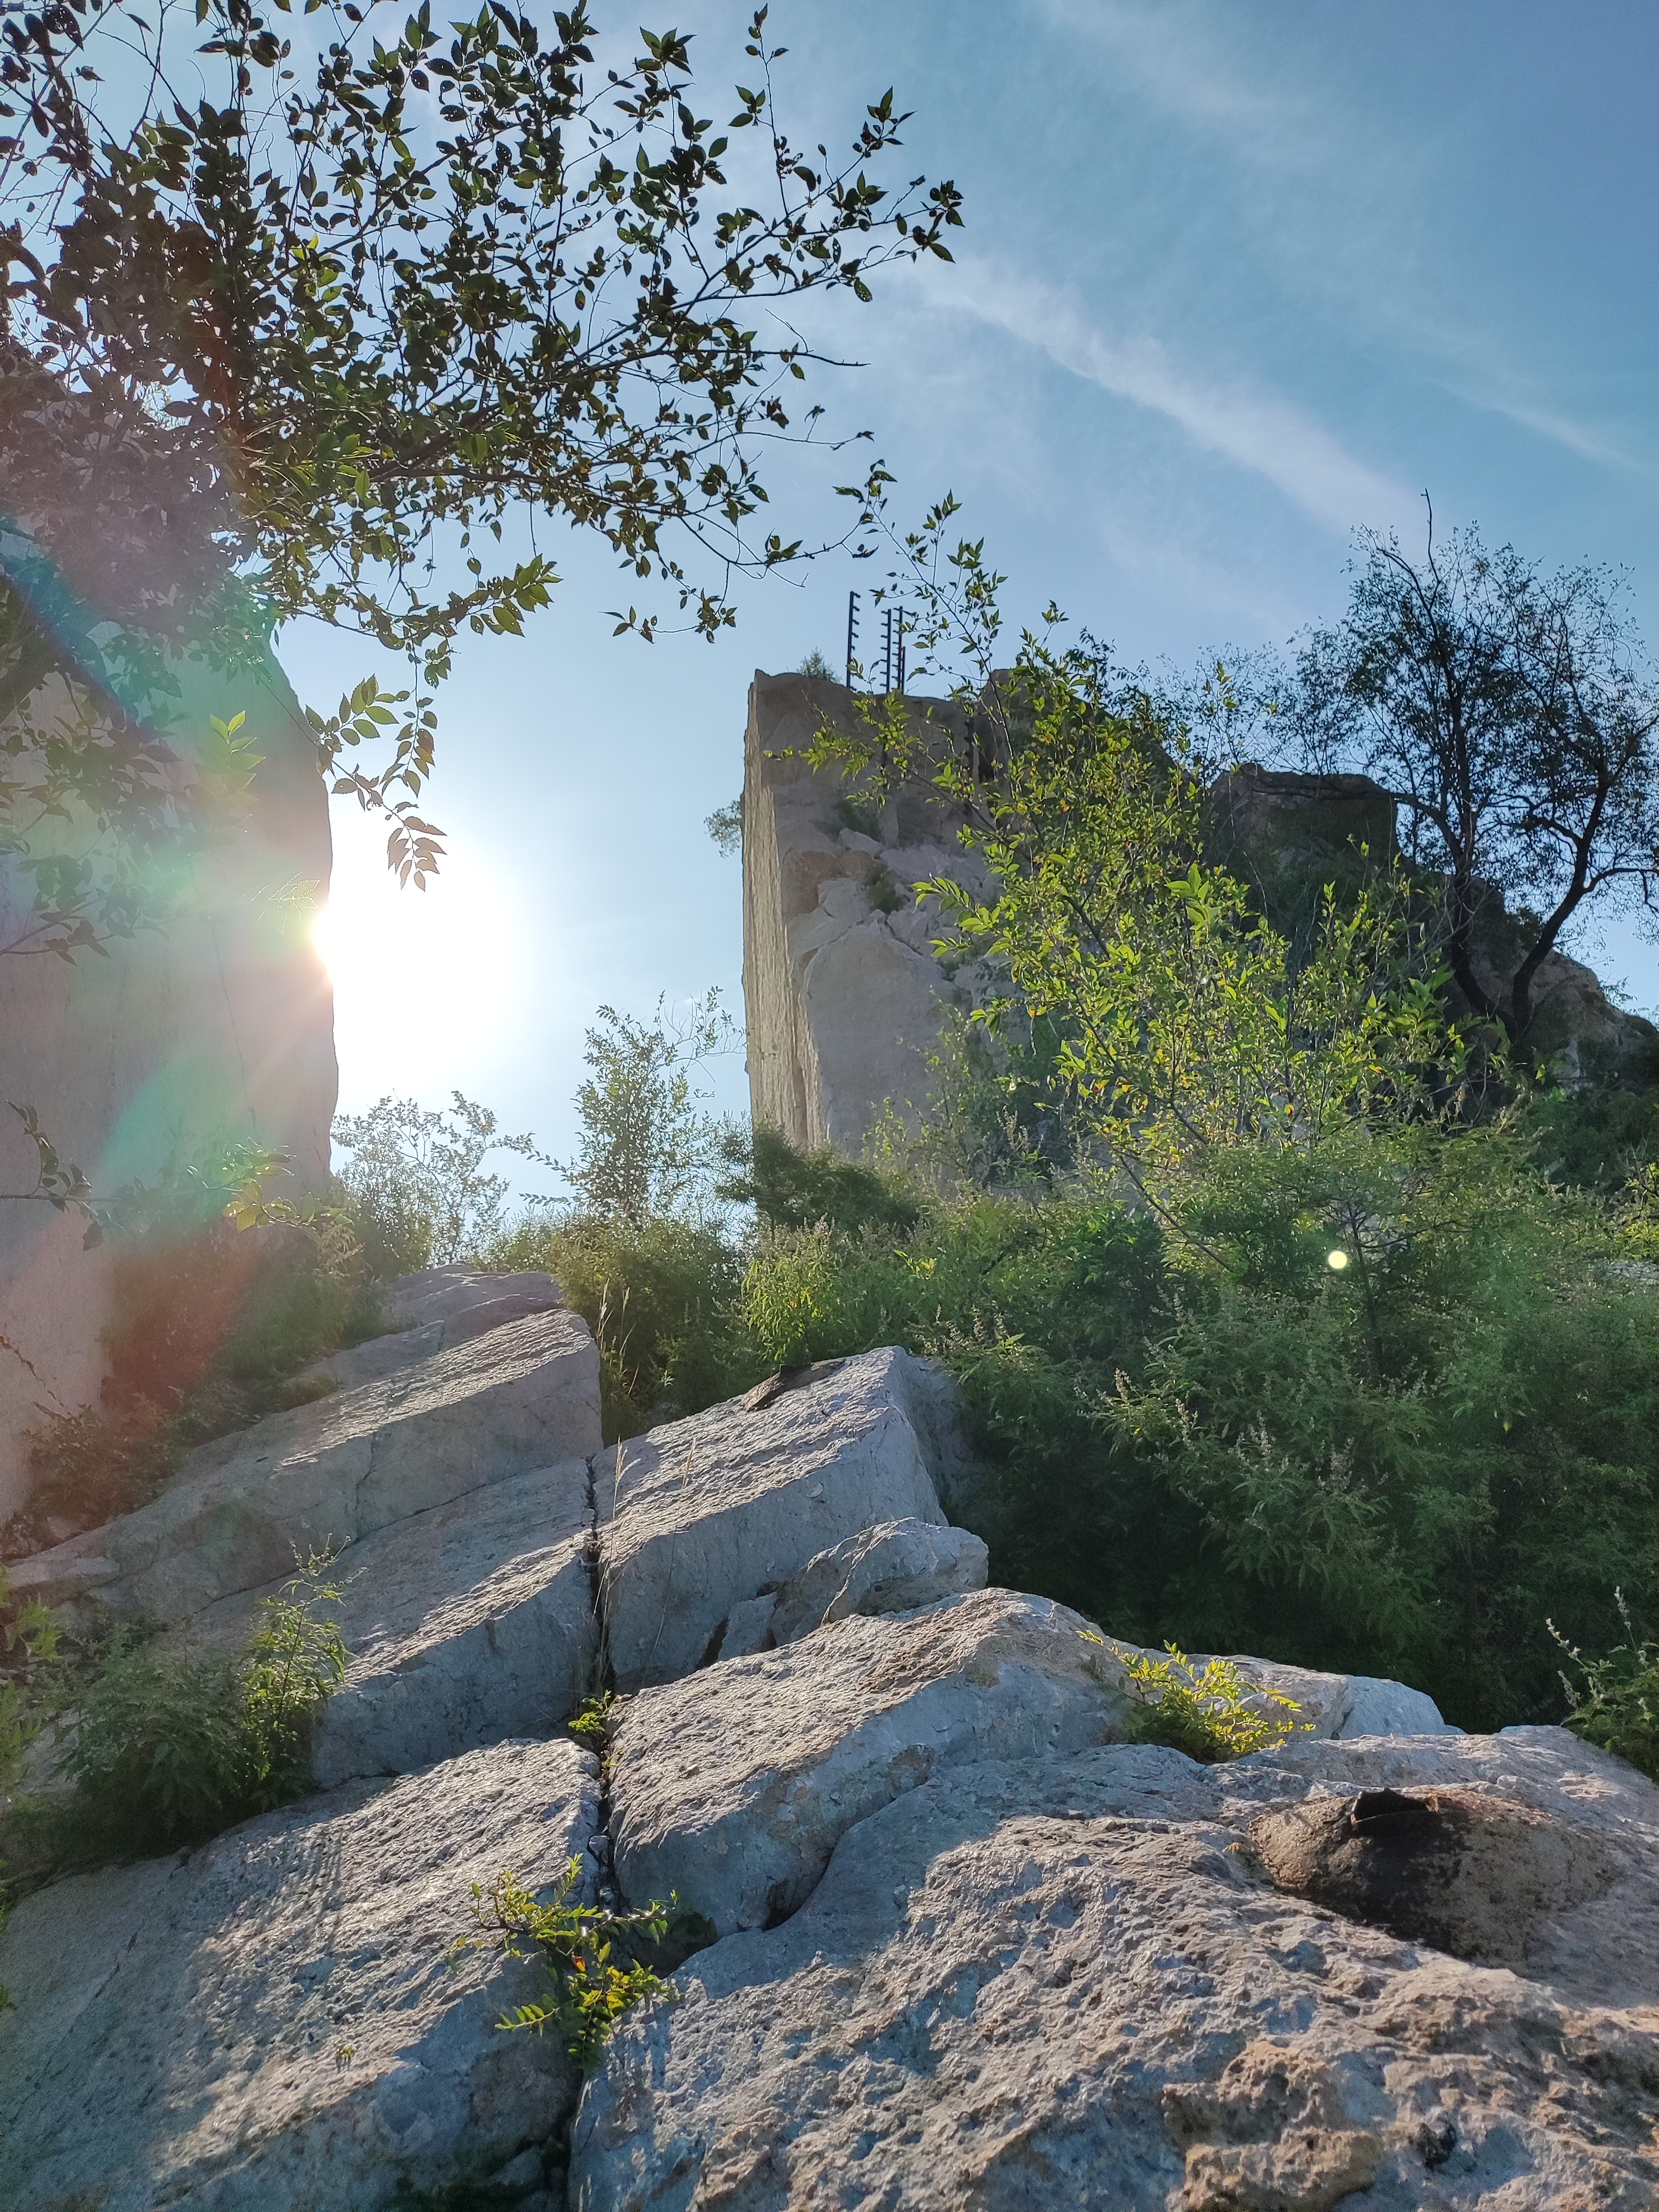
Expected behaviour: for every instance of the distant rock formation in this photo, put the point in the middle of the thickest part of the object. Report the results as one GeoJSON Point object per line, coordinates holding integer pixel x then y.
{"type": "Point", "coordinates": [219, 1027]}
{"type": "Point", "coordinates": [845, 996]}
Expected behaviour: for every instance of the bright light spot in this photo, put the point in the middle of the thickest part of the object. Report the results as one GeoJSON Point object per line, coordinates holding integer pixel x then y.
{"type": "Point", "coordinates": [427, 984]}
{"type": "Point", "coordinates": [1336, 1261]}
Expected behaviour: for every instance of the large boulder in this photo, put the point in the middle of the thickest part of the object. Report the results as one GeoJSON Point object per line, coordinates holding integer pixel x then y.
{"type": "Point", "coordinates": [1072, 1981]}
{"type": "Point", "coordinates": [705, 1513]}
{"type": "Point", "coordinates": [735, 1786]}
{"type": "Point", "coordinates": [432, 1312]}
{"type": "Point", "coordinates": [466, 1624]}
{"type": "Point", "coordinates": [241, 1509]}
{"type": "Point", "coordinates": [276, 2020]}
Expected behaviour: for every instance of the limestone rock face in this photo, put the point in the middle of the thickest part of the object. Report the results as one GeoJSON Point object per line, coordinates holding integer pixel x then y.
{"type": "Point", "coordinates": [1072, 1981]}
{"type": "Point", "coordinates": [844, 993]}
{"type": "Point", "coordinates": [432, 1312]}
{"type": "Point", "coordinates": [468, 1623]}
{"type": "Point", "coordinates": [894, 1567]}
{"type": "Point", "coordinates": [734, 1786]}
{"type": "Point", "coordinates": [274, 2020]}
{"type": "Point", "coordinates": [700, 1515]}
{"type": "Point", "coordinates": [241, 1509]}
{"type": "Point", "coordinates": [219, 1026]}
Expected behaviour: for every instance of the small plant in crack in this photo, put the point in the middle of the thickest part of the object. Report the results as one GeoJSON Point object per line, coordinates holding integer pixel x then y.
{"type": "Point", "coordinates": [595, 1720]}
{"type": "Point", "coordinates": [594, 1979]}
{"type": "Point", "coordinates": [1211, 1712]}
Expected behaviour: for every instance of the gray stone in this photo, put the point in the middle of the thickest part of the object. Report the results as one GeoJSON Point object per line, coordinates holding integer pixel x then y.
{"type": "Point", "coordinates": [1068, 1982]}
{"type": "Point", "coordinates": [275, 2020]}
{"type": "Point", "coordinates": [468, 1623]}
{"type": "Point", "coordinates": [467, 1299]}
{"type": "Point", "coordinates": [748, 1629]}
{"type": "Point", "coordinates": [704, 1513]}
{"type": "Point", "coordinates": [734, 1786]}
{"type": "Point", "coordinates": [1378, 1707]}
{"type": "Point", "coordinates": [240, 1510]}
{"type": "Point", "coordinates": [894, 1567]}
{"type": "Point", "coordinates": [429, 1313]}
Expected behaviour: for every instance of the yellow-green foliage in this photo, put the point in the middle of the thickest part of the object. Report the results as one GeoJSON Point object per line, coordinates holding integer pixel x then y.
{"type": "Point", "coordinates": [1210, 1712]}
{"type": "Point", "coordinates": [589, 1991]}
{"type": "Point", "coordinates": [1615, 1702]}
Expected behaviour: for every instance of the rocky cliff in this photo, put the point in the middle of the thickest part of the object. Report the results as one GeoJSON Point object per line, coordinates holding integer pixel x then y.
{"type": "Point", "coordinates": [845, 996]}
{"type": "Point", "coordinates": [219, 1027]}
{"type": "Point", "coordinates": [972, 1945]}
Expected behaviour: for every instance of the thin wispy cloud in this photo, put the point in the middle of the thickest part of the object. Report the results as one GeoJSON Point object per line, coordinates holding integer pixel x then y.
{"type": "Point", "coordinates": [1254, 429]}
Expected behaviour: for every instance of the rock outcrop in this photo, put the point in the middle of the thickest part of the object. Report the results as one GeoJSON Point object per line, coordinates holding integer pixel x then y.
{"type": "Point", "coordinates": [974, 1943]}
{"type": "Point", "coordinates": [219, 1028]}
{"type": "Point", "coordinates": [846, 997]}
{"type": "Point", "coordinates": [277, 2020]}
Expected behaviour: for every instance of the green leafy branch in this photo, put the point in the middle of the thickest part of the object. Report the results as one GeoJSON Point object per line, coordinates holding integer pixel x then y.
{"type": "Point", "coordinates": [589, 1991]}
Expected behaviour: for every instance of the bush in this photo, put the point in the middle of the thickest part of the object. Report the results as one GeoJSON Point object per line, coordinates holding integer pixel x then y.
{"type": "Point", "coordinates": [172, 1744]}
{"type": "Point", "coordinates": [792, 1189]}
{"type": "Point", "coordinates": [1615, 1703]}
{"type": "Point", "coordinates": [1210, 1712]}
{"type": "Point", "coordinates": [660, 1300]}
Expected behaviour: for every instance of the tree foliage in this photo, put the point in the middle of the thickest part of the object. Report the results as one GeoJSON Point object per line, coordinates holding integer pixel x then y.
{"type": "Point", "coordinates": [421, 1194]}
{"type": "Point", "coordinates": [305, 310]}
{"type": "Point", "coordinates": [1187, 1021]}
{"type": "Point", "coordinates": [647, 1149]}
{"type": "Point", "coordinates": [1514, 719]}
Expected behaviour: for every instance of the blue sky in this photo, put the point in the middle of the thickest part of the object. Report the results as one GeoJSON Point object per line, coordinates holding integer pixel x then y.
{"type": "Point", "coordinates": [1235, 278]}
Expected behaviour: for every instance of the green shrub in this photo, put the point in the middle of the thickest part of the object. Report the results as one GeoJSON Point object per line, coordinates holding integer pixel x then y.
{"type": "Point", "coordinates": [172, 1744]}
{"type": "Point", "coordinates": [1210, 1712]}
{"type": "Point", "coordinates": [661, 1301]}
{"type": "Point", "coordinates": [793, 1189]}
{"type": "Point", "coordinates": [1614, 1705]}
{"type": "Point", "coordinates": [589, 1989]}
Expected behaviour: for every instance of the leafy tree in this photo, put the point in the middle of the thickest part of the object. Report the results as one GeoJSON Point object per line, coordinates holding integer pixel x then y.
{"type": "Point", "coordinates": [1513, 717]}
{"type": "Point", "coordinates": [793, 1190]}
{"type": "Point", "coordinates": [421, 1194]}
{"type": "Point", "coordinates": [305, 312]}
{"type": "Point", "coordinates": [1187, 1021]}
{"type": "Point", "coordinates": [647, 1150]}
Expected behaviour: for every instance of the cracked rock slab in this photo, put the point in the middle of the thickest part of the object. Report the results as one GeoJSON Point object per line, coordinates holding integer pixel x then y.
{"type": "Point", "coordinates": [735, 1786]}
{"type": "Point", "coordinates": [704, 1513]}
{"type": "Point", "coordinates": [274, 2021]}
{"type": "Point", "coordinates": [432, 1312]}
{"type": "Point", "coordinates": [240, 1510]}
{"type": "Point", "coordinates": [894, 1567]}
{"type": "Point", "coordinates": [1067, 1982]}
{"type": "Point", "coordinates": [466, 1624]}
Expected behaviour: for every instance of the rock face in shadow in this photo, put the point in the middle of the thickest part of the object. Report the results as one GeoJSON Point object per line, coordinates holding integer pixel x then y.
{"type": "Point", "coordinates": [275, 2020]}
{"type": "Point", "coordinates": [1471, 1874]}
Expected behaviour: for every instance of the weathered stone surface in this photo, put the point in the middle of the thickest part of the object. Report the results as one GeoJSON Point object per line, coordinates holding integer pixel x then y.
{"type": "Point", "coordinates": [220, 1026]}
{"type": "Point", "coordinates": [432, 1312]}
{"type": "Point", "coordinates": [466, 1624]}
{"type": "Point", "coordinates": [1068, 1982]}
{"type": "Point", "coordinates": [273, 2021]}
{"type": "Point", "coordinates": [843, 999]}
{"type": "Point", "coordinates": [894, 1567]}
{"type": "Point", "coordinates": [524, 1396]}
{"type": "Point", "coordinates": [1345, 1705]}
{"type": "Point", "coordinates": [706, 1512]}
{"type": "Point", "coordinates": [734, 1786]}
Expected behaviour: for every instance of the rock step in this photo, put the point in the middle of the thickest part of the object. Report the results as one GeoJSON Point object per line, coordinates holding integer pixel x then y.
{"type": "Point", "coordinates": [241, 1509]}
